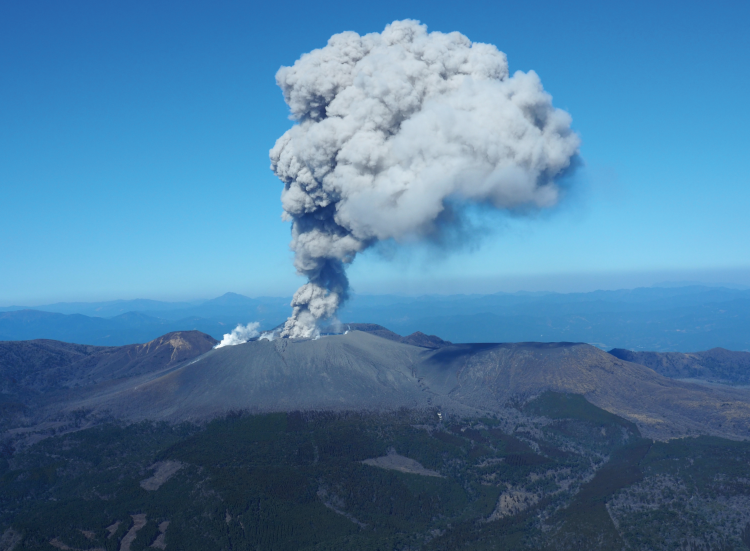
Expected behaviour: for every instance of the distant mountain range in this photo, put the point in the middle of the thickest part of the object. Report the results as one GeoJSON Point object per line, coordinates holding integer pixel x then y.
{"type": "Point", "coordinates": [685, 319]}
{"type": "Point", "coordinates": [681, 319]}
{"type": "Point", "coordinates": [123, 322]}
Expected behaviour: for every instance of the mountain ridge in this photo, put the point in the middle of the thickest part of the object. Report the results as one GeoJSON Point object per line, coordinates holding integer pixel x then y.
{"type": "Point", "coordinates": [684, 319]}
{"type": "Point", "coordinates": [362, 371]}
{"type": "Point", "coordinates": [35, 367]}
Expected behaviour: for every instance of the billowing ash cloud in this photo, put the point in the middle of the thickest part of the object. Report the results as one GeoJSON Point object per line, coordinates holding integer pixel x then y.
{"type": "Point", "coordinates": [394, 130]}
{"type": "Point", "coordinates": [240, 334]}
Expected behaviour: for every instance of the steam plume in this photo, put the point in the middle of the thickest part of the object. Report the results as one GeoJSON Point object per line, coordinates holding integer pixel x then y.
{"type": "Point", "coordinates": [239, 335]}
{"type": "Point", "coordinates": [394, 128]}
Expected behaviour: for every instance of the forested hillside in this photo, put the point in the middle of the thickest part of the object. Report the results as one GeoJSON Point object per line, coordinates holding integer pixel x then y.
{"type": "Point", "coordinates": [555, 473]}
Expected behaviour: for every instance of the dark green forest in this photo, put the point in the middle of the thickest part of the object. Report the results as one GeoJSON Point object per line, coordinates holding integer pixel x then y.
{"type": "Point", "coordinates": [555, 473]}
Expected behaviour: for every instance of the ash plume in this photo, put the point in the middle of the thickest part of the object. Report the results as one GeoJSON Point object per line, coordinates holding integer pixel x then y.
{"type": "Point", "coordinates": [393, 130]}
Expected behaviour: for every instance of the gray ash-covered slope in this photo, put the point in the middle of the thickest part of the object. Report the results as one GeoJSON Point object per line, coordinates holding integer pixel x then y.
{"type": "Point", "coordinates": [363, 371]}
{"type": "Point", "coordinates": [343, 372]}
{"type": "Point", "coordinates": [717, 365]}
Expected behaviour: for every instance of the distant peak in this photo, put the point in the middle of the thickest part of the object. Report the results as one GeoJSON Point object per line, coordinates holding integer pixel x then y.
{"type": "Point", "coordinates": [231, 298]}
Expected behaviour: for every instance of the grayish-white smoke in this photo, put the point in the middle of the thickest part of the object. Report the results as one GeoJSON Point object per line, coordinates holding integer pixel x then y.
{"type": "Point", "coordinates": [239, 335]}
{"type": "Point", "coordinates": [394, 130]}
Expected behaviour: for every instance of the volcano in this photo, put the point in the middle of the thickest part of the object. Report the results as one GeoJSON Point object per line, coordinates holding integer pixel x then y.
{"type": "Point", "coordinates": [363, 371]}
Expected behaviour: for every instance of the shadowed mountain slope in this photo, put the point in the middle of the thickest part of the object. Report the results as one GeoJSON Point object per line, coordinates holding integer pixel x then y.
{"type": "Point", "coordinates": [365, 372]}
{"type": "Point", "coordinates": [716, 365]}
{"type": "Point", "coordinates": [31, 367]}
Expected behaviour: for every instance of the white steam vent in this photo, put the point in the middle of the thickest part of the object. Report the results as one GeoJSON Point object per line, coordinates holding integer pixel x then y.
{"type": "Point", "coordinates": [239, 335]}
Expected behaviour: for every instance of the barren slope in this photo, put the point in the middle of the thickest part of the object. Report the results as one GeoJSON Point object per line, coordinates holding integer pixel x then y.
{"type": "Point", "coordinates": [354, 371]}
{"type": "Point", "coordinates": [488, 374]}
{"type": "Point", "coordinates": [363, 371]}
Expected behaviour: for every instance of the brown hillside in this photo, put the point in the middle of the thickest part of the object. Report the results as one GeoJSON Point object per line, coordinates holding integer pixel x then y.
{"type": "Point", "coordinates": [42, 365]}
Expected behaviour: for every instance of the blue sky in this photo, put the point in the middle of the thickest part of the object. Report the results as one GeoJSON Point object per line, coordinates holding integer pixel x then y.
{"type": "Point", "coordinates": [134, 142]}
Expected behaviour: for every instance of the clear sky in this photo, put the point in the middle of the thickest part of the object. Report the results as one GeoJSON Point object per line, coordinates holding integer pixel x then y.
{"type": "Point", "coordinates": [134, 142]}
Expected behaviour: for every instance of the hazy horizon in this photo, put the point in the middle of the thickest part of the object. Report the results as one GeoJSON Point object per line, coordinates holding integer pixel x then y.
{"type": "Point", "coordinates": [394, 293]}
